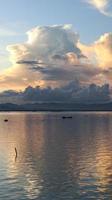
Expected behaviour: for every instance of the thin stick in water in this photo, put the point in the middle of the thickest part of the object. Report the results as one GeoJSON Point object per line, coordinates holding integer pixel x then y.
{"type": "Point", "coordinates": [16, 152]}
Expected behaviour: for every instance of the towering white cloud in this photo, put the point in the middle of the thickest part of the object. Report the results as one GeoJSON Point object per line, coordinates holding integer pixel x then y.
{"type": "Point", "coordinates": [101, 5]}
{"type": "Point", "coordinates": [50, 56]}
{"type": "Point", "coordinates": [54, 56]}
{"type": "Point", "coordinates": [45, 42]}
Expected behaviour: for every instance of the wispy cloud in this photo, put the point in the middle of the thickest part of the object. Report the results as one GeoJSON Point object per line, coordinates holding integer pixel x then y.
{"type": "Point", "coordinates": [101, 5]}
{"type": "Point", "coordinates": [5, 32]}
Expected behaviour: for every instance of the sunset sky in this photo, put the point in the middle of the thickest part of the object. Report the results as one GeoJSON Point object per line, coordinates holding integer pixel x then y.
{"type": "Point", "coordinates": [51, 43]}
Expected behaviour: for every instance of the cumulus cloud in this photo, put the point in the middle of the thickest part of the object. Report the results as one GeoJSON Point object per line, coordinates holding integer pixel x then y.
{"type": "Point", "coordinates": [101, 5]}
{"type": "Point", "coordinates": [44, 42]}
{"type": "Point", "coordinates": [72, 92]}
{"type": "Point", "coordinates": [100, 53]}
{"type": "Point", "coordinates": [103, 50]}
{"type": "Point", "coordinates": [55, 49]}
{"type": "Point", "coordinates": [54, 56]}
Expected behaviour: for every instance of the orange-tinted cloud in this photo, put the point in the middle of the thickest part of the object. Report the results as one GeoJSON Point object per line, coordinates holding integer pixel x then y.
{"type": "Point", "coordinates": [54, 55]}
{"type": "Point", "coordinates": [101, 5]}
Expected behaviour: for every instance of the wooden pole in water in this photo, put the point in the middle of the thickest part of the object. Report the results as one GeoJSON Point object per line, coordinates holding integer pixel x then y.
{"type": "Point", "coordinates": [16, 152]}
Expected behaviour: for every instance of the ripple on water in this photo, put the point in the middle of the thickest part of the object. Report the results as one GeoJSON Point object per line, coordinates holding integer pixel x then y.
{"type": "Point", "coordinates": [57, 159]}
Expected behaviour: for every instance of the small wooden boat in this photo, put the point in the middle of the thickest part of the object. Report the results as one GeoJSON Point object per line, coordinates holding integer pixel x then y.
{"type": "Point", "coordinates": [5, 120]}
{"type": "Point", "coordinates": [66, 117]}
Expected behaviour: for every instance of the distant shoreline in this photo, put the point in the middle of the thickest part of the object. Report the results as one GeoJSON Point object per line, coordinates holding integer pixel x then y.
{"type": "Point", "coordinates": [34, 111]}
{"type": "Point", "coordinates": [56, 107]}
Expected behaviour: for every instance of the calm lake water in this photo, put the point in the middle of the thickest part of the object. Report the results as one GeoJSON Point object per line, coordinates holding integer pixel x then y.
{"type": "Point", "coordinates": [58, 159]}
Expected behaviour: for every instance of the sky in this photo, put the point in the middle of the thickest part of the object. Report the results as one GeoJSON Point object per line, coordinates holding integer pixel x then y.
{"type": "Point", "coordinates": [54, 42]}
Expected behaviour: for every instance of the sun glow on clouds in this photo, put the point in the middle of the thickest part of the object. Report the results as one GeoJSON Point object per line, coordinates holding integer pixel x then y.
{"type": "Point", "coordinates": [54, 55]}
{"type": "Point", "coordinates": [100, 51]}
{"type": "Point", "coordinates": [101, 5]}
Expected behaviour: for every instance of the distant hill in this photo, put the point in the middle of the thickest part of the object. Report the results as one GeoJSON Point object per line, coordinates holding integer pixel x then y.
{"type": "Point", "coordinates": [57, 107]}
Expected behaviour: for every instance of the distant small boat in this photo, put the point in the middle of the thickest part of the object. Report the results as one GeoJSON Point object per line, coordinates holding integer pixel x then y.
{"type": "Point", "coordinates": [5, 120]}
{"type": "Point", "coordinates": [66, 117]}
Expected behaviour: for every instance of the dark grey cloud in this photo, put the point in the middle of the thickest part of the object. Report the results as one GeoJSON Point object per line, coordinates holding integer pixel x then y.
{"type": "Point", "coordinates": [59, 57]}
{"type": "Point", "coordinates": [65, 58]}
{"type": "Point", "coordinates": [29, 62]}
{"type": "Point", "coordinates": [54, 73]}
{"type": "Point", "coordinates": [76, 71]}
{"type": "Point", "coordinates": [72, 92]}
{"type": "Point", "coordinates": [82, 56]}
{"type": "Point", "coordinates": [94, 93]}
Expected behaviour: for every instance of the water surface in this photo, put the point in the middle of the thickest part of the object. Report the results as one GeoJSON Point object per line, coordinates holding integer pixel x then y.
{"type": "Point", "coordinates": [58, 159]}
